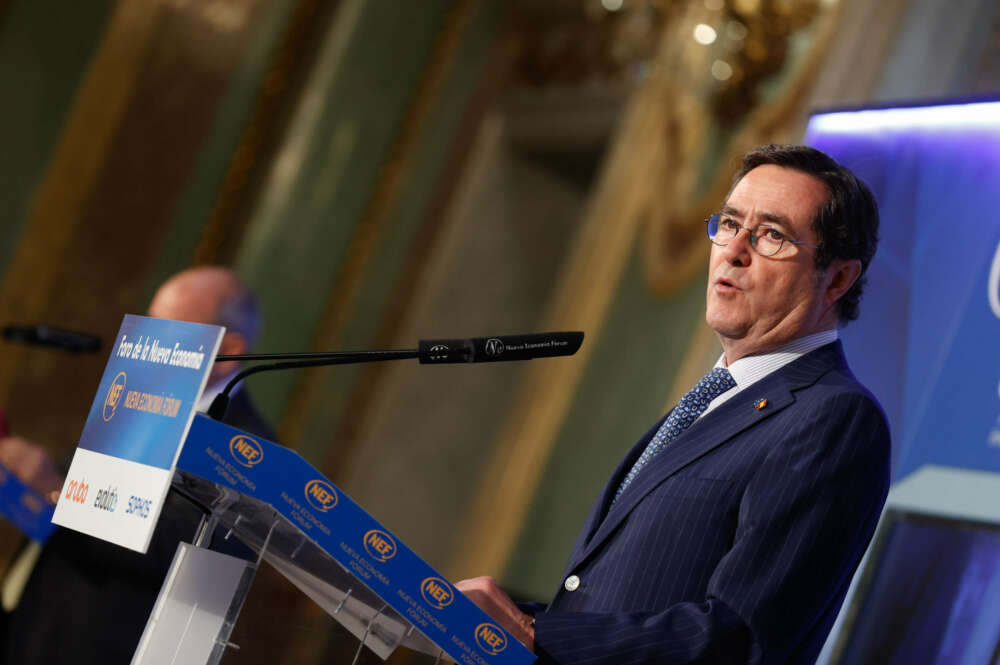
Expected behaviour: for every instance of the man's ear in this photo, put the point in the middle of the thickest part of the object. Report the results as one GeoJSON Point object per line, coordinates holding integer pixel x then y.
{"type": "Point", "coordinates": [842, 273]}
{"type": "Point", "coordinates": [233, 343]}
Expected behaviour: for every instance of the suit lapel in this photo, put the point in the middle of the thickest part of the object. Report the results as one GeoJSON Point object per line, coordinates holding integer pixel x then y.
{"type": "Point", "coordinates": [736, 415]}
{"type": "Point", "coordinates": [600, 508]}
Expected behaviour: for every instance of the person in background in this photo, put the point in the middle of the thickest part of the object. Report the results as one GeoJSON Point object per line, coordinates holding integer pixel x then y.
{"type": "Point", "coordinates": [86, 600]}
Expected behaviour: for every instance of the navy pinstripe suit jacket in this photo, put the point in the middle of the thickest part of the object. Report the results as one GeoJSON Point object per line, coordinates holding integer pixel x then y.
{"type": "Point", "coordinates": [737, 542]}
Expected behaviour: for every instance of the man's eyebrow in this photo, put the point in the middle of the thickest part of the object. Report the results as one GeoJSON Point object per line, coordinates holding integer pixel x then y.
{"type": "Point", "coordinates": [769, 217]}
{"type": "Point", "coordinates": [775, 218]}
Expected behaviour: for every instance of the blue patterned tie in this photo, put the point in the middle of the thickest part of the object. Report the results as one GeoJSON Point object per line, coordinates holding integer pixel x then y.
{"type": "Point", "coordinates": [692, 405]}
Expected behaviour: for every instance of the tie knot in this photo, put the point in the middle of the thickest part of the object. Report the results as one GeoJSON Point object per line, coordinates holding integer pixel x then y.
{"type": "Point", "coordinates": [713, 384]}
{"type": "Point", "coordinates": [716, 382]}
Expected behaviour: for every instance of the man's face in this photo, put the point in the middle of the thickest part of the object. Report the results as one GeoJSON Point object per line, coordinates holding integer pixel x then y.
{"type": "Point", "coordinates": [758, 303]}
{"type": "Point", "coordinates": [195, 298]}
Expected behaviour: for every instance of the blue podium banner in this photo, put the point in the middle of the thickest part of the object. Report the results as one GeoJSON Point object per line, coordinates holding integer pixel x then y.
{"type": "Point", "coordinates": [123, 466]}
{"type": "Point", "coordinates": [24, 507]}
{"type": "Point", "coordinates": [281, 478]}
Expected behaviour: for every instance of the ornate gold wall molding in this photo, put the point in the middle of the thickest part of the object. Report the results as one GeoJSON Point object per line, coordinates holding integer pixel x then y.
{"type": "Point", "coordinates": [675, 251]}
{"type": "Point", "coordinates": [348, 282]}
{"type": "Point", "coordinates": [228, 220]}
{"type": "Point", "coordinates": [59, 203]}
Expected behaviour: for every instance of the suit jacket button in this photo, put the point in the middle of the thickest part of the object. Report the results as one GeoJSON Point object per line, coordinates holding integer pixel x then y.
{"type": "Point", "coordinates": [572, 583]}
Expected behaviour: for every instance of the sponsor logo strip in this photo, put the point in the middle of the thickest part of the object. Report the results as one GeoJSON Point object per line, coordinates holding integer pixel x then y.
{"type": "Point", "coordinates": [111, 498]}
{"type": "Point", "coordinates": [354, 539]}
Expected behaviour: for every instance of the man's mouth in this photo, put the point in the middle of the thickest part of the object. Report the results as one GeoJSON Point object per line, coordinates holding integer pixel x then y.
{"type": "Point", "coordinates": [726, 284]}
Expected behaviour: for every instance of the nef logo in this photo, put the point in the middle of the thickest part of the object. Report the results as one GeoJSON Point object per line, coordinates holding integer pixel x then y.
{"type": "Point", "coordinates": [246, 451]}
{"type": "Point", "coordinates": [494, 347]}
{"type": "Point", "coordinates": [436, 592]}
{"type": "Point", "coordinates": [380, 545]}
{"type": "Point", "coordinates": [490, 638]}
{"type": "Point", "coordinates": [76, 490]}
{"type": "Point", "coordinates": [321, 495]}
{"type": "Point", "coordinates": [114, 396]}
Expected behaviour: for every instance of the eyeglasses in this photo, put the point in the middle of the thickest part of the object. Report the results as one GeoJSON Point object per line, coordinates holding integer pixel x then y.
{"type": "Point", "coordinates": [766, 240]}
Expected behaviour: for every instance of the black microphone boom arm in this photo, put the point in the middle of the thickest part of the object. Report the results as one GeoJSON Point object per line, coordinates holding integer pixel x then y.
{"type": "Point", "coordinates": [477, 349]}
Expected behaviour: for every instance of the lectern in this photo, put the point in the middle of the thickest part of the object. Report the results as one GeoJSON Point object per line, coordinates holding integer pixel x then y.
{"type": "Point", "coordinates": [143, 438]}
{"type": "Point", "coordinates": [293, 518]}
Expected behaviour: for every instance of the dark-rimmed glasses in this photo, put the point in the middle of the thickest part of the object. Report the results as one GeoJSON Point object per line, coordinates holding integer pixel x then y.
{"type": "Point", "coordinates": [766, 240]}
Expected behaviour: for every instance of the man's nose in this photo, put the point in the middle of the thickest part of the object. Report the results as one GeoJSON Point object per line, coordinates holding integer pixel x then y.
{"type": "Point", "coordinates": [739, 249]}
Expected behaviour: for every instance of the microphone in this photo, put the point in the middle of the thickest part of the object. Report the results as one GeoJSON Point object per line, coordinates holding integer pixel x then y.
{"type": "Point", "coordinates": [430, 351]}
{"type": "Point", "coordinates": [42, 335]}
{"type": "Point", "coordinates": [499, 348]}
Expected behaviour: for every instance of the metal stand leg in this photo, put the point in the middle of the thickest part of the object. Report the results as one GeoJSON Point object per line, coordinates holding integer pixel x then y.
{"type": "Point", "coordinates": [267, 541]}
{"type": "Point", "coordinates": [298, 547]}
{"type": "Point", "coordinates": [368, 630]}
{"type": "Point", "coordinates": [206, 527]}
{"type": "Point", "coordinates": [343, 600]}
{"type": "Point", "coordinates": [235, 524]}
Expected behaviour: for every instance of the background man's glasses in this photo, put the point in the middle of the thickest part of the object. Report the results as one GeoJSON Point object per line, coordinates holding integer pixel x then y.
{"type": "Point", "coordinates": [766, 240]}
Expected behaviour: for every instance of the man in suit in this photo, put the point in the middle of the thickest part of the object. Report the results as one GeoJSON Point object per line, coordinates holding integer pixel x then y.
{"type": "Point", "coordinates": [95, 596]}
{"type": "Point", "coordinates": [730, 532]}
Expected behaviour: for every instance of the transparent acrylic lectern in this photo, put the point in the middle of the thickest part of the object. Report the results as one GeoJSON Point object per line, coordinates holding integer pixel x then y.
{"type": "Point", "coordinates": [323, 543]}
{"type": "Point", "coordinates": [204, 590]}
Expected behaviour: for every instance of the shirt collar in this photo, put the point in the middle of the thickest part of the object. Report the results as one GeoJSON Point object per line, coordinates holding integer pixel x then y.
{"type": "Point", "coordinates": [750, 369]}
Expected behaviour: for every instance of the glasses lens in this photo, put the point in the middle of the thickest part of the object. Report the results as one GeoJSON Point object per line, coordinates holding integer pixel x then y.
{"type": "Point", "coordinates": [768, 243]}
{"type": "Point", "coordinates": [713, 226]}
{"type": "Point", "coordinates": [767, 247]}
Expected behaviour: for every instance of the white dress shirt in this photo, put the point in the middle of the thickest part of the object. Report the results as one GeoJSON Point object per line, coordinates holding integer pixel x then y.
{"type": "Point", "coordinates": [749, 369]}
